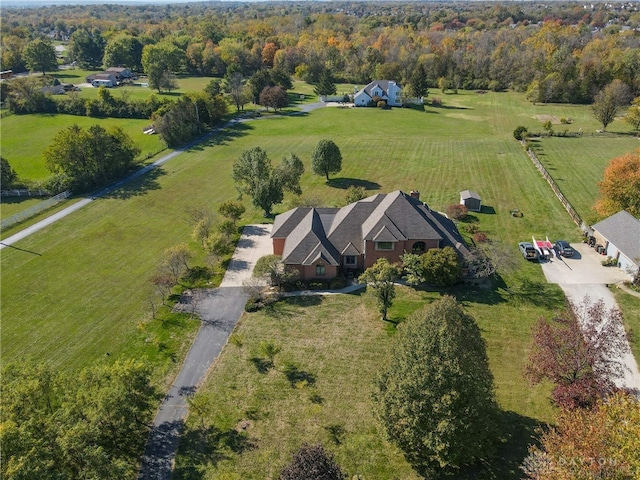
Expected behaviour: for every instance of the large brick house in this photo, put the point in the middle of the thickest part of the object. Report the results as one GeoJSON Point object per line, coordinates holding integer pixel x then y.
{"type": "Point", "coordinates": [327, 242]}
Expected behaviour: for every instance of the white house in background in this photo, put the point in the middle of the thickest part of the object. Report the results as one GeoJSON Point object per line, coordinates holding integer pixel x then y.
{"type": "Point", "coordinates": [620, 235]}
{"type": "Point", "coordinates": [387, 90]}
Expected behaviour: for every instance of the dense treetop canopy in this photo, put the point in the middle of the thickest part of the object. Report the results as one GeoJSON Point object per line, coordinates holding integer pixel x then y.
{"type": "Point", "coordinates": [560, 52]}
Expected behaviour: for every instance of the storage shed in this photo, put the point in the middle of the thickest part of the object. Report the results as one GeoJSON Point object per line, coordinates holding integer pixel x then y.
{"type": "Point", "coordinates": [471, 200]}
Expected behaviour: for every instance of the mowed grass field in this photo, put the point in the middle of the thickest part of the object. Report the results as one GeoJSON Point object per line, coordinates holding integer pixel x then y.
{"type": "Point", "coordinates": [80, 288]}
{"type": "Point", "coordinates": [85, 291]}
{"type": "Point", "coordinates": [320, 389]}
{"type": "Point", "coordinates": [26, 137]}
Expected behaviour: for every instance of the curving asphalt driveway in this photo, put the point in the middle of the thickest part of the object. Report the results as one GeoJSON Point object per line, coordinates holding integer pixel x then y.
{"type": "Point", "coordinates": [583, 275]}
{"type": "Point", "coordinates": [219, 308]}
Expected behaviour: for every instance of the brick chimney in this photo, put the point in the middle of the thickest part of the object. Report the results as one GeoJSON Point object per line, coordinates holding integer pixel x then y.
{"type": "Point", "coordinates": [415, 194]}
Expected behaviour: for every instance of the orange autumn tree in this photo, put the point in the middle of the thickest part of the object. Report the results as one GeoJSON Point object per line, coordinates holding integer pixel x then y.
{"type": "Point", "coordinates": [601, 442]}
{"type": "Point", "coordinates": [620, 187]}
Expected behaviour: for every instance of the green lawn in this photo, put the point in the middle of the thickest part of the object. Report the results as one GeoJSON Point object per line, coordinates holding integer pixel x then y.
{"type": "Point", "coordinates": [577, 165]}
{"type": "Point", "coordinates": [80, 288]}
{"type": "Point", "coordinates": [25, 137]}
{"type": "Point", "coordinates": [320, 390]}
{"type": "Point", "coordinates": [630, 307]}
{"type": "Point", "coordinates": [107, 251]}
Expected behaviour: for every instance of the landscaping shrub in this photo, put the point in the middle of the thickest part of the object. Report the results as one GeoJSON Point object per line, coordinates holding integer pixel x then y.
{"type": "Point", "coordinates": [480, 237]}
{"type": "Point", "coordinates": [520, 133]}
{"type": "Point", "coordinates": [457, 211]}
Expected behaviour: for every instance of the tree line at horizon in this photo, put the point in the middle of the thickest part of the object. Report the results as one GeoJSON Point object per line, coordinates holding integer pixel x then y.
{"type": "Point", "coordinates": [562, 53]}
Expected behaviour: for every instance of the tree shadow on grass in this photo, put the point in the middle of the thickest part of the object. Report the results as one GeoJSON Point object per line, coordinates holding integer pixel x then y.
{"type": "Point", "coordinates": [295, 375]}
{"type": "Point", "coordinates": [203, 447]}
{"type": "Point", "coordinates": [491, 293]}
{"type": "Point", "coordinates": [223, 136]}
{"type": "Point", "coordinates": [518, 432]}
{"type": "Point", "coordinates": [345, 183]}
{"type": "Point", "coordinates": [137, 187]}
{"type": "Point", "coordinates": [263, 365]}
{"type": "Point", "coordinates": [532, 292]}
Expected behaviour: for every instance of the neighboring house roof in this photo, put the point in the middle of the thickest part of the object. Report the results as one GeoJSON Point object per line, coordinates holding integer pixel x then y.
{"type": "Point", "coordinates": [331, 232]}
{"type": "Point", "coordinates": [469, 194]}
{"type": "Point", "coordinates": [622, 230]}
{"type": "Point", "coordinates": [382, 84]}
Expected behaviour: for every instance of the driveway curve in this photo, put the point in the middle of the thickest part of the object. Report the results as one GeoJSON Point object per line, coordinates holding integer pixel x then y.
{"type": "Point", "coordinates": [583, 275]}
{"type": "Point", "coordinates": [219, 308]}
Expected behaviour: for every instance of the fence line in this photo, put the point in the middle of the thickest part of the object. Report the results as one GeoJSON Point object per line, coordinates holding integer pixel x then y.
{"type": "Point", "coordinates": [554, 186]}
{"type": "Point", "coordinates": [31, 211]}
{"type": "Point", "coordinates": [23, 192]}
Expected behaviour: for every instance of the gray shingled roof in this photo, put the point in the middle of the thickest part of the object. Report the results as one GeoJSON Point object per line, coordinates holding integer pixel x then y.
{"type": "Point", "coordinates": [312, 233]}
{"type": "Point", "coordinates": [383, 84]}
{"type": "Point", "coordinates": [307, 242]}
{"type": "Point", "coordinates": [623, 231]}
{"type": "Point", "coordinates": [469, 194]}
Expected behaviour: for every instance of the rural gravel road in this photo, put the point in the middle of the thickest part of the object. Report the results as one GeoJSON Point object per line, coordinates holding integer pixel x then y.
{"type": "Point", "coordinates": [219, 308]}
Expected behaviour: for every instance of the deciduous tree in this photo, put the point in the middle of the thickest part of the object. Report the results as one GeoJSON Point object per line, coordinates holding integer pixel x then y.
{"type": "Point", "coordinates": [274, 97]}
{"type": "Point", "coordinates": [379, 278]}
{"type": "Point", "coordinates": [441, 266]}
{"type": "Point", "coordinates": [435, 398]}
{"type": "Point", "coordinates": [620, 187]}
{"type": "Point", "coordinates": [580, 351]}
{"type": "Point", "coordinates": [87, 48]}
{"type": "Point", "coordinates": [235, 86]}
{"type": "Point", "coordinates": [601, 442]}
{"type": "Point", "coordinates": [231, 210]}
{"type": "Point", "coordinates": [158, 59]}
{"type": "Point", "coordinates": [312, 462]}
{"type": "Point", "coordinates": [633, 114]}
{"type": "Point", "coordinates": [608, 103]}
{"type": "Point", "coordinates": [254, 176]}
{"type": "Point", "coordinates": [123, 50]}
{"type": "Point", "coordinates": [89, 425]}
{"type": "Point", "coordinates": [40, 56]}
{"type": "Point", "coordinates": [326, 158]}
{"type": "Point", "coordinates": [91, 157]}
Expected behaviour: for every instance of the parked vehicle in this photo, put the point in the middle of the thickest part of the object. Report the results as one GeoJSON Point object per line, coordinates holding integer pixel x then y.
{"type": "Point", "coordinates": [563, 248]}
{"type": "Point", "coordinates": [528, 251]}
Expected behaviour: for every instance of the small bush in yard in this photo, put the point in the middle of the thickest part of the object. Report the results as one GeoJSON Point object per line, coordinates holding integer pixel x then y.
{"type": "Point", "coordinates": [480, 237]}
{"type": "Point", "coordinates": [457, 211]}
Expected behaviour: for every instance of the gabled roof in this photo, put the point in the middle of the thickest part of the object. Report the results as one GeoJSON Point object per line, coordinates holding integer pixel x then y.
{"type": "Point", "coordinates": [327, 233]}
{"type": "Point", "coordinates": [307, 242]}
{"type": "Point", "coordinates": [469, 194]}
{"type": "Point", "coordinates": [383, 84]}
{"type": "Point", "coordinates": [623, 231]}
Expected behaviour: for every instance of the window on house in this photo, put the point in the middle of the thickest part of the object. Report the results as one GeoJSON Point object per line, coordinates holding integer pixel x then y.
{"type": "Point", "coordinates": [320, 269]}
{"type": "Point", "coordinates": [418, 247]}
{"type": "Point", "coordinates": [384, 245]}
{"type": "Point", "coordinates": [350, 260]}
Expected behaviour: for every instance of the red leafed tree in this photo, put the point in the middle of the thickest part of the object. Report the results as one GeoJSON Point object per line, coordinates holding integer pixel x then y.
{"type": "Point", "coordinates": [580, 352]}
{"type": "Point", "coordinates": [620, 187]}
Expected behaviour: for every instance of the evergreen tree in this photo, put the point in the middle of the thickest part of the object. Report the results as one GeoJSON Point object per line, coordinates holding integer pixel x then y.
{"type": "Point", "coordinates": [435, 398]}
{"type": "Point", "coordinates": [419, 82]}
{"type": "Point", "coordinates": [325, 85]}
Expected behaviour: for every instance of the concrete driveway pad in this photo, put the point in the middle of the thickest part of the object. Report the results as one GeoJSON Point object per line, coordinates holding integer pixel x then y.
{"type": "Point", "coordinates": [584, 267]}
